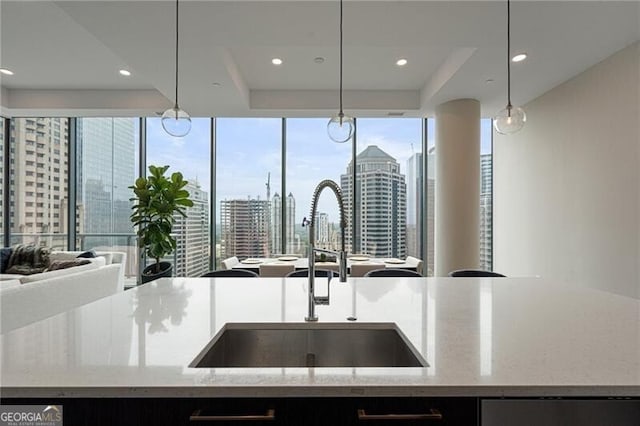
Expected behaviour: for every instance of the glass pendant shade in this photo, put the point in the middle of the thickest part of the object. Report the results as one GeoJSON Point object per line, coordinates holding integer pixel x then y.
{"type": "Point", "coordinates": [509, 120]}
{"type": "Point", "coordinates": [340, 128]}
{"type": "Point", "coordinates": [176, 122]}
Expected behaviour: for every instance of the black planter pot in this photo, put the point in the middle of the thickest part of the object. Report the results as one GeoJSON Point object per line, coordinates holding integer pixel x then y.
{"type": "Point", "coordinates": [149, 273]}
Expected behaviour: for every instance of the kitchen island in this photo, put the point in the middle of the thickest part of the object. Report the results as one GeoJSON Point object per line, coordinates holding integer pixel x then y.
{"type": "Point", "coordinates": [482, 338]}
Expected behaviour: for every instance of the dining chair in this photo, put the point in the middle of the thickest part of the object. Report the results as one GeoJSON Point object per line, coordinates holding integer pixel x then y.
{"type": "Point", "coordinates": [230, 262]}
{"type": "Point", "coordinates": [275, 269]}
{"type": "Point", "coordinates": [230, 273]}
{"type": "Point", "coordinates": [329, 266]}
{"type": "Point", "coordinates": [318, 273]}
{"type": "Point", "coordinates": [414, 261]}
{"type": "Point", "coordinates": [474, 273]}
{"type": "Point", "coordinates": [392, 272]}
{"type": "Point", "coordinates": [361, 269]}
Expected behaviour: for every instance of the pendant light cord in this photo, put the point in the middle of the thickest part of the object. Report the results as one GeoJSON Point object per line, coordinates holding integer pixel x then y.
{"type": "Point", "coordinates": [341, 112]}
{"type": "Point", "coordinates": [177, 32]}
{"type": "Point", "coordinates": [508, 58]}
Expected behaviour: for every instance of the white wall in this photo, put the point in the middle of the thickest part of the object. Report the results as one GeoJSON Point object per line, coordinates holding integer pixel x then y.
{"type": "Point", "coordinates": [567, 187]}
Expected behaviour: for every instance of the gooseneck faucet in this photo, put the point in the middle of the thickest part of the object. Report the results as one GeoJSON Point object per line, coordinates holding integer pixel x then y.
{"type": "Point", "coordinates": [341, 255]}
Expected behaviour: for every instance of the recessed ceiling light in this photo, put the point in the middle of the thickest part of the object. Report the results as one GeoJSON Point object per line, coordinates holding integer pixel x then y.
{"type": "Point", "coordinates": [276, 61]}
{"type": "Point", "coordinates": [401, 62]}
{"type": "Point", "coordinates": [318, 60]}
{"type": "Point", "coordinates": [519, 57]}
{"type": "Point", "coordinates": [489, 81]}
{"type": "Point", "coordinates": [216, 84]}
{"type": "Point", "coordinates": [125, 73]}
{"type": "Point", "coordinates": [6, 71]}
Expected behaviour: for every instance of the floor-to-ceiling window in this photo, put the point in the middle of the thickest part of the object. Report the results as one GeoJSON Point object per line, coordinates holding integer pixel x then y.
{"type": "Point", "coordinates": [486, 195]}
{"type": "Point", "coordinates": [311, 158]}
{"type": "Point", "coordinates": [39, 184]}
{"type": "Point", "coordinates": [191, 156]}
{"type": "Point", "coordinates": [429, 205]}
{"type": "Point", "coordinates": [394, 186]}
{"type": "Point", "coordinates": [248, 187]}
{"type": "Point", "coordinates": [106, 165]}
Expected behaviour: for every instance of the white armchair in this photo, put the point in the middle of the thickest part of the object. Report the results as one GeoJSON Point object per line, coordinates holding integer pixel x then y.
{"type": "Point", "coordinates": [230, 262]}
{"type": "Point", "coordinates": [417, 262]}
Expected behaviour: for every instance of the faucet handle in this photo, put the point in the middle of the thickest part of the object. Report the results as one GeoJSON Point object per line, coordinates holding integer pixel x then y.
{"type": "Point", "coordinates": [321, 300]}
{"type": "Point", "coordinates": [324, 300]}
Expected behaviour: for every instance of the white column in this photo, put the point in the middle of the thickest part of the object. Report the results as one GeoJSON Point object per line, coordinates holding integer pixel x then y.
{"type": "Point", "coordinates": [457, 195]}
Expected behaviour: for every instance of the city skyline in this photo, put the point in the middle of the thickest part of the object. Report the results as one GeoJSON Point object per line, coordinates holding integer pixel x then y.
{"type": "Point", "coordinates": [412, 227]}
{"type": "Point", "coordinates": [253, 145]}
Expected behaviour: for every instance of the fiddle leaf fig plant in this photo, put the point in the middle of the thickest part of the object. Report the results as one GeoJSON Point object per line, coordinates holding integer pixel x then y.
{"type": "Point", "coordinates": [157, 200]}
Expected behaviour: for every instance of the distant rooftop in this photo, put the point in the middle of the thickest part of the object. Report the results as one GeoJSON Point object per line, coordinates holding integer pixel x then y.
{"type": "Point", "coordinates": [373, 153]}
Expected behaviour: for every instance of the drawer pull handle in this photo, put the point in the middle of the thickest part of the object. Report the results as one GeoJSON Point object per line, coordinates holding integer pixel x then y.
{"type": "Point", "coordinates": [434, 414]}
{"type": "Point", "coordinates": [268, 416]}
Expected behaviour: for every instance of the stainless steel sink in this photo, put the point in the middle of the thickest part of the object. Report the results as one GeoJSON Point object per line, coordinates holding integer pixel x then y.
{"type": "Point", "coordinates": [309, 345]}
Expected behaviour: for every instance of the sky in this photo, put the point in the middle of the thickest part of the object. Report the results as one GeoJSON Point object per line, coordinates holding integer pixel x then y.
{"type": "Point", "coordinates": [248, 153]}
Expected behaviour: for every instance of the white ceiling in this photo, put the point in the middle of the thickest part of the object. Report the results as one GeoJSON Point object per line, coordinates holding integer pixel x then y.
{"type": "Point", "coordinates": [66, 54]}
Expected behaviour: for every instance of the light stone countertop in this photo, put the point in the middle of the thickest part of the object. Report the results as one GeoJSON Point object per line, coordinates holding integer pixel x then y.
{"type": "Point", "coordinates": [480, 336]}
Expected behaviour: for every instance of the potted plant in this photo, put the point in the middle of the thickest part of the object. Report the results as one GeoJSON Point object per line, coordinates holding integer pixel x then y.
{"type": "Point", "coordinates": [157, 200]}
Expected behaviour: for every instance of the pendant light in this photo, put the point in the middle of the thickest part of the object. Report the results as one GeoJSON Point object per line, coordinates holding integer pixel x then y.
{"type": "Point", "coordinates": [340, 127]}
{"type": "Point", "coordinates": [176, 121]}
{"type": "Point", "coordinates": [511, 119]}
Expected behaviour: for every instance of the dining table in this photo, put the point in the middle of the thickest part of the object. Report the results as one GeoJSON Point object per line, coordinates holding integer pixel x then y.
{"type": "Point", "coordinates": [253, 263]}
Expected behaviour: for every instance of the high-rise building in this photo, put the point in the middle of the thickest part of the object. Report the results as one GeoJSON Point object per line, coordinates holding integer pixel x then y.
{"type": "Point", "coordinates": [429, 260]}
{"type": "Point", "coordinates": [276, 224]}
{"type": "Point", "coordinates": [106, 168]}
{"type": "Point", "coordinates": [192, 235]}
{"type": "Point", "coordinates": [245, 228]}
{"type": "Point", "coordinates": [327, 234]}
{"type": "Point", "coordinates": [415, 188]}
{"type": "Point", "coordinates": [321, 222]}
{"type": "Point", "coordinates": [486, 212]}
{"type": "Point", "coordinates": [290, 224]}
{"type": "Point", "coordinates": [96, 204]}
{"type": "Point", "coordinates": [39, 190]}
{"type": "Point", "coordinates": [382, 215]}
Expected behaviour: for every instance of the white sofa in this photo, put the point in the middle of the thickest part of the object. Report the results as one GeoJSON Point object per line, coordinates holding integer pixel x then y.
{"type": "Point", "coordinates": [29, 298]}
{"type": "Point", "coordinates": [111, 257]}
